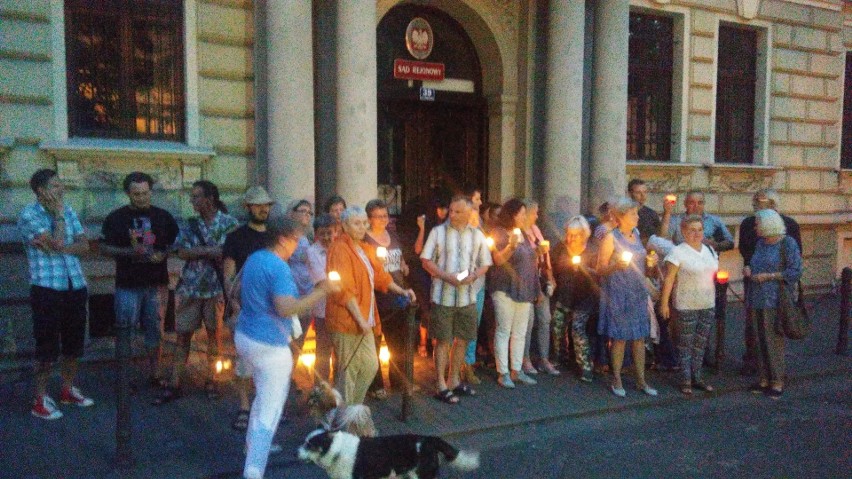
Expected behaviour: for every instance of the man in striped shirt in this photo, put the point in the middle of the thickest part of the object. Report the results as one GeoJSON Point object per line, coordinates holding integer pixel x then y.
{"type": "Point", "coordinates": [455, 255]}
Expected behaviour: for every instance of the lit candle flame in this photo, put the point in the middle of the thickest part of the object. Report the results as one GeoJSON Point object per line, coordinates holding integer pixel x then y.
{"type": "Point", "coordinates": [626, 256]}
{"type": "Point", "coordinates": [489, 241]}
{"type": "Point", "coordinates": [219, 366]}
{"type": "Point", "coordinates": [545, 243]}
{"type": "Point", "coordinates": [671, 198]}
{"type": "Point", "coordinates": [381, 252]}
{"type": "Point", "coordinates": [308, 359]}
{"type": "Point", "coordinates": [722, 276]}
{"type": "Point", "coordinates": [384, 354]}
{"type": "Point", "coordinates": [333, 276]}
{"type": "Point", "coordinates": [575, 260]}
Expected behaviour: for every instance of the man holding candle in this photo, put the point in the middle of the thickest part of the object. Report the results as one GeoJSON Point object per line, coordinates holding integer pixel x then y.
{"type": "Point", "coordinates": [455, 255]}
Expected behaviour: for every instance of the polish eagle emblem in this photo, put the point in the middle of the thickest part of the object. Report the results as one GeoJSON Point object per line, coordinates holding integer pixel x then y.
{"type": "Point", "coordinates": [418, 38]}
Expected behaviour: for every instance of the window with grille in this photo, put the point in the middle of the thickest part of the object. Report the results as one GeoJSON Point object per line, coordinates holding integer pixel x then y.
{"type": "Point", "coordinates": [125, 61]}
{"type": "Point", "coordinates": [649, 88]}
{"type": "Point", "coordinates": [735, 95]}
{"type": "Point", "coordinates": [846, 152]}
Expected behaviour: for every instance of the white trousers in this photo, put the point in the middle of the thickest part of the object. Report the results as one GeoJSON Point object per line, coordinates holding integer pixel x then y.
{"type": "Point", "coordinates": [512, 318]}
{"type": "Point", "coordinates": [271, 368]}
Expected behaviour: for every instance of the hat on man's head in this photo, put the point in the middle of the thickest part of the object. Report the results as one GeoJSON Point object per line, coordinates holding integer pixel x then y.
{"type": "Point", "coordinates": [256, 195]}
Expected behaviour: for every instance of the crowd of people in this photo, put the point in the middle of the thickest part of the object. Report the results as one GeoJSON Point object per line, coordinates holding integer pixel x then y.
{"type": "Point", "coordinates": [488, 288]}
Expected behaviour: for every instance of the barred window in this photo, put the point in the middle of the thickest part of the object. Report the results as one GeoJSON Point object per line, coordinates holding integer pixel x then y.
{"type": "Point", "coordinates": [125, 69]}
{"type": "Point", "coordinates": [735, 96]}
{"type": "Point", "coordinates": [649, 87]}
{"type": "Point", "coordinates": [846, 153]}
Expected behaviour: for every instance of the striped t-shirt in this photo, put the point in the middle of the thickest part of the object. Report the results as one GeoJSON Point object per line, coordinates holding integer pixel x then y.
{"type": "Point", "coordinates": [454, 251]}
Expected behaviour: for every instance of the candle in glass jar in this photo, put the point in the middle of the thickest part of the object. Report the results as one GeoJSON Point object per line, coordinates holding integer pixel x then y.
{"type": "Point", "coordinates": [382, 252]}
{"type": "Point", "coordinates": [333, 276]}
{"type": "Point", "coordinates": [671, 198]}
{"type": "Point", "coordinates": [626, 256]}
{"type": "Point", "coordinates": [545, 243]}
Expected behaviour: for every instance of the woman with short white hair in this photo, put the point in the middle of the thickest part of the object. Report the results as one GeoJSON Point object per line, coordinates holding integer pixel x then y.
{"type": "Point", "coordinates": [776, 262]}
{"type": "Point", "coordinates": [576, 297]}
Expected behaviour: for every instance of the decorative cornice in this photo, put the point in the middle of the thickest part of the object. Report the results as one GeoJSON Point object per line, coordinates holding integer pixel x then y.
{"type": "Point", "coordinates": [748, 8]}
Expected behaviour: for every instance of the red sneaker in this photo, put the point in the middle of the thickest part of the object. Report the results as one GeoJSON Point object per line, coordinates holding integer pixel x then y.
{"type": "Point", "coordinates": [74, 396]}
{"type": "Point", "coordinates": [45, 408]}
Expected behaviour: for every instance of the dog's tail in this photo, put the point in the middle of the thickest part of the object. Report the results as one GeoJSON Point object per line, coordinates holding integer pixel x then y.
{"type": "Point", "coordinates": [461, 460]}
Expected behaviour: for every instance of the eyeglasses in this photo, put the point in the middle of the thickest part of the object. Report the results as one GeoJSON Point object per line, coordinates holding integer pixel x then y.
{"type": "Point", "coordinates": [305, 212]}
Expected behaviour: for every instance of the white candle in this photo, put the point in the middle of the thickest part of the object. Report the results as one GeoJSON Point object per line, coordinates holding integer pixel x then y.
{"type": "Point", "coordinates": [462, 275]}
{"type": "Point", "coordinates": [333, 276]}
{"type": "Point", "coordinates": [382, 252]}
{"type": "Point", "coordinates": [626, 256]}
{"type": "Point", "coordinates": [489, 241]}
{"type": "Point", "coordinates": [575, 260]}
{"type": "Point", "coordinates": [518, 233]}
{"type": "Point", "coordinates": [545, 243]}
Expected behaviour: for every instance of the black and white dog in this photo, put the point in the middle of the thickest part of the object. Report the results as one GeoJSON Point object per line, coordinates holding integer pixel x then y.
{"type": "Point", "coordinates": [346, 456]}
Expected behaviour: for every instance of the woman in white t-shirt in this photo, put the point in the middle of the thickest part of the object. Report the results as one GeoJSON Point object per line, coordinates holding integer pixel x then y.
{"type": "Point", "coordinates": [692, 265]}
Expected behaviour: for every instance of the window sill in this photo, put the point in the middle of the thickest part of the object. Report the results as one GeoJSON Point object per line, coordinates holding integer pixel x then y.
{"type": "Point", "coordinates": [672, 165]}
{"type": "Point", "coordinates": [734, 167]}
{"type": "Point", "coordinates": [86, 148]}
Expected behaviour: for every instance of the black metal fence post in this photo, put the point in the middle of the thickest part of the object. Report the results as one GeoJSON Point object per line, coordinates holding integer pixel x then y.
{"type": "Point", "coordinates": [845, 307]}
{"type": "Point", "coordinates": [411, 331]}
{"type": "Point", "coordinates": [123, 454]}
{"type": "Point", "coordinates": [721, 314]}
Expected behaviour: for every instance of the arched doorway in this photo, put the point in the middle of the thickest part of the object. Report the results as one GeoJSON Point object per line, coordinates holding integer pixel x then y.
{"type": "Point", "coordinates": [428, 143]}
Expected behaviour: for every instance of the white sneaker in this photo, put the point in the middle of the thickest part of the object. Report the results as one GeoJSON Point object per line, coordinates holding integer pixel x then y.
{"type": "Point", "coordinates": [506, 381]}
{"type": "Point", "coordinates": [522, 377]}
{"type": "Point", "coordinates": [45, 408]}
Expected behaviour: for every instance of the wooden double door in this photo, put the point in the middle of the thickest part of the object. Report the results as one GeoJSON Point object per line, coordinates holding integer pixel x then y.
{"type": "Point", "coordinates": [430, 146]}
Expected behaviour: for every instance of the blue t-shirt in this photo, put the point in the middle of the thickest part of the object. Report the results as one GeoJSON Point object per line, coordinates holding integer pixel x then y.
{"type": "Point", "coordinates": [265, 276]}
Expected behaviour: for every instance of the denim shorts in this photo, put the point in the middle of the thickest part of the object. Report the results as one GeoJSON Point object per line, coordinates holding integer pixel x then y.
{"type": "Point", "coordinates": [140, 306]}
{"type": "Point", "coordinates": [59, 322]}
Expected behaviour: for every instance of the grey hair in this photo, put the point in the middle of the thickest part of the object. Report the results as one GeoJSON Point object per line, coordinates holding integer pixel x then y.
{"type": "Point", "coordinates": [771, 195]}
{"type": "Point", "coordinates": [770, 223]}
{"type": "Point", "coordinates": [691, 219]}
{"type": "Point", "coordinates": [530, 203]}
{"type": "Point", "coordinates": [579, 223]}
{"type": "Point", "coordinates": [622, 205]}
{"type": "Point", "coordinates": [352, 212]}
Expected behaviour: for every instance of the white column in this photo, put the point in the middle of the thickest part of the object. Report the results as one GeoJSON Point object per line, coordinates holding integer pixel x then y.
{"type": "Point", "coordinates": [290, 93]}
{"type": "Point", "coordinates": [609, 101]}
{"type": "Point", "coordinates": [356, 101]}
{"type": "Point", "coordinates": [564, 111]}
{"type": "Point", "coordinates": [503, 166]}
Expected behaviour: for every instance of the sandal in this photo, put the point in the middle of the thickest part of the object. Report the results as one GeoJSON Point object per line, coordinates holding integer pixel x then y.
{"type": "Point", "coordinates": [702, 386]}
{"type": "Point", "coordinates": [212, 390]}
{"type": "Point", "coordinates": [464, 390]}
{"type": "Point", "coordinates": [168, 395]}
{"type": "Point", "coordinates": [447, 396]}
{"type": "Point", "coordinates": [241, 421]}
{"type": "Point", "coordinates": [686, 389]}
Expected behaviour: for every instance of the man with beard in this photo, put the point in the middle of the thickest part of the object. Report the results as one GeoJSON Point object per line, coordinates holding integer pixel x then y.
{"type": "Point", "coordinates": [138, 236]}
{"type": "Point", "coordinates": [239, 245]}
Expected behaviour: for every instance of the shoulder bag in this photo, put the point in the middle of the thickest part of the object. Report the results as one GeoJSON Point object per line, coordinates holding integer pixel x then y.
{"type": "Point", "coordinates": [792, 318]}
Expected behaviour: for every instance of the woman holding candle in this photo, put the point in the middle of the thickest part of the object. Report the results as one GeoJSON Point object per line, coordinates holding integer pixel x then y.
{"type": "Point", "coordinates": [514, 286]}
{"type": "Point", "coordinates": [624, 316]}
{"type": "Point", "coordinates": [352, 316]}
{"type": "Point", "coordinates": [391, 306]}
{"type": "Point", "coordinates": [776, 262]}
{"type": "Point", "coordinates": [269, 301]}
{"type": "Point", "coordinates": [576, 297]}
{"type": "Point", "coordinates": [690, 269]}
{"type": "Point", "coordinates": [540, 315]}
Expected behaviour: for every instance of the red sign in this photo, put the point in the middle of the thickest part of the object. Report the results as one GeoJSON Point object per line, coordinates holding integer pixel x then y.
{"type": "Point", "coordinates": [411, 70]}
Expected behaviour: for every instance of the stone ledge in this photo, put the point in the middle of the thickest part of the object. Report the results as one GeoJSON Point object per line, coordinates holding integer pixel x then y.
{"type": "Point", "coordinates": [84, 148]}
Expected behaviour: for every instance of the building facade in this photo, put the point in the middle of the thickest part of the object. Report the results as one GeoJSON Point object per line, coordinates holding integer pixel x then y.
{"type": "Point", "coordinates": [563, 101]}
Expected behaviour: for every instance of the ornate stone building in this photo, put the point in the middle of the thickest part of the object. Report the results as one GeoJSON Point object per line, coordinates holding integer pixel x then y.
{"type": "Point", "coordinates": [559, 100]}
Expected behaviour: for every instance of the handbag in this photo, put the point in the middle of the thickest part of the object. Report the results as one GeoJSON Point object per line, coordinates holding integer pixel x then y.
{"type": "Point", "coordinates": [792, 319]}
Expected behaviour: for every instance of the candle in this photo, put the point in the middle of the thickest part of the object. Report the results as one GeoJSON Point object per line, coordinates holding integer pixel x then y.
{"type": "Point", "coordinates": [333, 276]}
{"type": "Point", "coordinates": [545, 243]}
{"type": "Point", "coordinates": [518, 233]}
{"type": "Point", "coordinates": [671, 198]}
{"type": "Point", "coordinates": [489, 241]}
{"type": "Point", "coordinates": [626, 256]}
{"type": "Point", "coordinates": [382, 252]}
{"type": "Point", "coordinates": [462, 275]}
{"type": "Point", "coordinates": [722, 277]}
{"type": "Point", "coordinates": [575, 260]}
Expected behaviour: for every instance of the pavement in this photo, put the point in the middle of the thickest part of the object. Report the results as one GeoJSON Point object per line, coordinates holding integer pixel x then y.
{"type": "Point", "coordinates": [192, 437]}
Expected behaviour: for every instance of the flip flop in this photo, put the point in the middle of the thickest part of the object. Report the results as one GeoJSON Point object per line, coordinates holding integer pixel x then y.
{"type": "Point", "coordinates": [464, 390]}
{"type": "Point", "coordinates": [447, 396]}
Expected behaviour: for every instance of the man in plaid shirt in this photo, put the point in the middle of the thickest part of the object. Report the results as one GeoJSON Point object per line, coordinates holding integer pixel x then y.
{"type": "Point", "coordinates": [53, 238]}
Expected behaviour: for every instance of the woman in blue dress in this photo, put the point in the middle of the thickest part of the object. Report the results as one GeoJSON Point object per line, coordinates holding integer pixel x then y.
{"type": "Point", "coordinates": [624, 314]}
